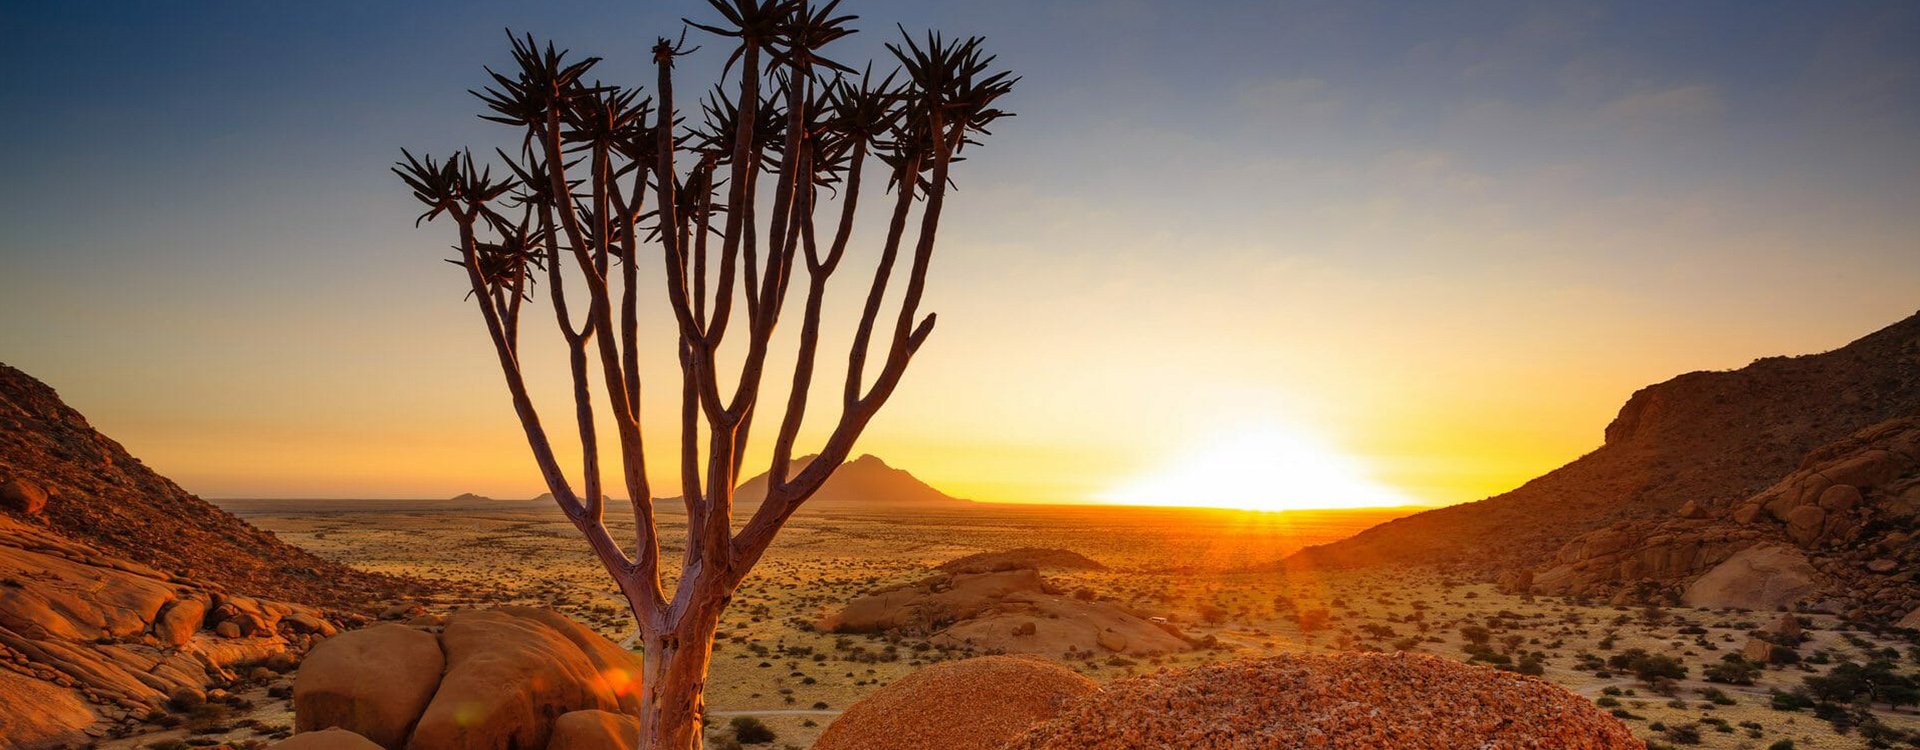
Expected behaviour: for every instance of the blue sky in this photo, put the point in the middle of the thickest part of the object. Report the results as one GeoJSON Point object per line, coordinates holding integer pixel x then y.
{"type": "Point", "coordinates": [1448, 237]}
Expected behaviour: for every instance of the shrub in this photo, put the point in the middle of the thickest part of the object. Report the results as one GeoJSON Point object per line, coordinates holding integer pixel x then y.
{"type": "Point", "coordinates": [750, 731]}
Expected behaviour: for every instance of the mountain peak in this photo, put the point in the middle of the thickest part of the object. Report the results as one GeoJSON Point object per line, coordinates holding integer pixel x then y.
{"type": "Point", "coordinates": [863, 482]}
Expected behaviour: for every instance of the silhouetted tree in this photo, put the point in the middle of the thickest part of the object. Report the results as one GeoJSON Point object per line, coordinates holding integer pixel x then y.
{"type": "Point", "coordinates": [603, 172]}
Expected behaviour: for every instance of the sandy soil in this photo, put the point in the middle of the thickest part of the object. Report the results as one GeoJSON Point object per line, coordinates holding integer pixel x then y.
{"type": "Point", "coordinates": [1192, 566]}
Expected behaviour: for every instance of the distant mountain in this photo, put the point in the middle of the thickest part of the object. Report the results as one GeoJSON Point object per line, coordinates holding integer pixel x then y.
{"type": "Point", "coordinates": [1711, 438]}
{"type": "Point", "coordinates": [865, 482]}
{"type": "Point", "coordinates": [468, 497]}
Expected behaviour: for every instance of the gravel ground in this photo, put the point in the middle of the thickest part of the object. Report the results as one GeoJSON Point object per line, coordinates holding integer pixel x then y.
{"type": "Point", "coordinates": [974, 704]}
{"type": "Point", "coordinates": [1332, 701]}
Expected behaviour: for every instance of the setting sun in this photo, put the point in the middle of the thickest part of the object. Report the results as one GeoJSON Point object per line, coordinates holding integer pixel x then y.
{"type": "Point", "coordinates": [1269, 469]}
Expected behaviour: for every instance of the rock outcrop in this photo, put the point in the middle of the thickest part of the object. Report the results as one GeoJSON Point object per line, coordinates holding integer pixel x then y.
{"type": "Point", "coordinates": [509, 674]}
{"type": "Point", "coordinates": [108, 640]}
{"type": "Point", "coordinates": [1033, 558]}
{"type": "Point", "coordinates": [1836, 533]}
{"type": "Point", "coordinates": [120, 592]}
{"type": "Point", "coordinates": [1008, 611]}
{"type": "Point", "coordinates": [1762, 578]}
{"type": "Point", "coordinates": [1351, 701]}
{"type": "Point", "coordinates": [376, 680]}
{"type": "Point", "coordinates": [973, 704]}
{"type": "Point", "coordinates": [1709, 438]}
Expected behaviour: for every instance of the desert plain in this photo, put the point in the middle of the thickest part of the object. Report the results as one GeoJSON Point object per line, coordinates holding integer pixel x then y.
{"type": "Point", "coordinates": [1211, 574]}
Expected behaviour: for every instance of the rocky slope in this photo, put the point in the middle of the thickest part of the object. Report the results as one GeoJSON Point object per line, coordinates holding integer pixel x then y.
{"type": "Point", "coordinates": [91, 643]}
{"type": "Point", "coordinates": [121, 594]}
{"type": "Point", "coordinates": [1835, 534]}
{"type": "Point", "coordinates": [58, 473]}
{"type": "Point", "coordinates": [1709, 438]}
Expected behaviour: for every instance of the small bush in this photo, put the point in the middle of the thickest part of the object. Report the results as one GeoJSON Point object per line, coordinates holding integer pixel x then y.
{"type": "Point", "coordinates": [751, 731]}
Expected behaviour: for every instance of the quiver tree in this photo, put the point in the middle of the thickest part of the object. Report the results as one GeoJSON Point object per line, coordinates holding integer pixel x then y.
{"type": "Point", "coordinates": [726, 198]}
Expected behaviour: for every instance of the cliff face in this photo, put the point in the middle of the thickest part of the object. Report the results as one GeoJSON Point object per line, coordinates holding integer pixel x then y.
{"type": "Point", "coordinates": [59, 474]}
{"type": "Point", "coordinates": [1709, 438]}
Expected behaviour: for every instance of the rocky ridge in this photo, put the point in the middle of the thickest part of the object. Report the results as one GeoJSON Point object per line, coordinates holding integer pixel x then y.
{"type": "Point", "coordinates": [1709, 439]}
{"type": "Point", "coordinates": [1835, 535]}
{"type": "Point", "coordinates": [1012, 611]}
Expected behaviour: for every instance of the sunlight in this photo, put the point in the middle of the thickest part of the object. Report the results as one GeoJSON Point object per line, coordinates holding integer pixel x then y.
{"type": "Point", "coordinates": [1268, 469]}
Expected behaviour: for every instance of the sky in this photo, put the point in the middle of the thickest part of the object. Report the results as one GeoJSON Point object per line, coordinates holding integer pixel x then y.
{"type": "Point", "coordinates": [1437, 244]}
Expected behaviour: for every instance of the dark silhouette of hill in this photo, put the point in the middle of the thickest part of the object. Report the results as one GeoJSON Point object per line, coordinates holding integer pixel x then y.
{"type": "Point", "coordinates": [97, 494]}
{"type": "Point", "coordinates": [1711, 437]}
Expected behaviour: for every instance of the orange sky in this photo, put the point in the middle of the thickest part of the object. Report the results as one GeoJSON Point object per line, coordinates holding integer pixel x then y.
{"type": "Point", "coordinates": [1444, 246]}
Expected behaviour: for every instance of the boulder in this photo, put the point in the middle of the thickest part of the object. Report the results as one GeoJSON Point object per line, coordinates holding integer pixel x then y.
{"type": "Point", "coordinates": [512, 670]}
{"type": "Point", "coordinates": [179, 621]}
{"type": "Point", "coordinates": [325, 739]}
{"type": "Point", "coordinates": [972, 704]}
{"type": "Point", "coordinates": [1911, 621]}
{"type": "Point", "coordinates": [22, 496]}
{"type": "Point", "coordinates": [1840, 498]}
{"type": "Point", "coordinates": [1758, 651]}
{"type": "Point", "coordinates": [1805, 523]}
{"type": "Point", "coordinates": [496, 678]}
{"type": "Point", "coordinates": [595, 730]}
{"type": "Point", "coordinates": [1759, 578]}
{"type": "Point", "coordinates": [308, 622]}
{"type": "Point", "coordinates": [375, 682]}
{"type": "Point", "coordinates": [1787, 627]}
{"type": "Point", "coordinates": [1515, 581]}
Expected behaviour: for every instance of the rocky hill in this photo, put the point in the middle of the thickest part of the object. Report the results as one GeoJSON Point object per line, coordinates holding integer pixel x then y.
{"type": "Point", "coordinates": [1710, 438]}
{"type": "Point", "coordinates": [1834, 535]}
{"type": "Point", "coordinates": [122, 594]}
{"type": "Point", "coordinates": [864, 482]}
{"type": "Point", "coordinates": [58, 473]}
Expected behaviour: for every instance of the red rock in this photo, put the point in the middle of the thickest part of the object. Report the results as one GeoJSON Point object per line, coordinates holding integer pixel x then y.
{"type": "Point", "coordinates": [375, 682]}
{"type": "Point", "coordinates": [326, 739]}
{"type": "Point", "coordinates": [595, 730]}
{"type": "Point", "coordinates": [511, 671]}
{"type": "Point", "coordinates": [22, 496]}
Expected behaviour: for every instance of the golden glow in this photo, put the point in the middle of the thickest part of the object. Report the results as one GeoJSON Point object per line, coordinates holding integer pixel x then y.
{"type": "Point", "coordinates": [1268, 469]}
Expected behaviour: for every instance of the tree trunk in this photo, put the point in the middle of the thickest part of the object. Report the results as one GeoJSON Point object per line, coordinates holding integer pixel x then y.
{"type": "Point", "coordinates": [674, 679]}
